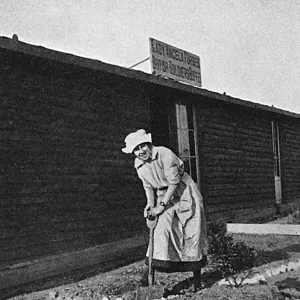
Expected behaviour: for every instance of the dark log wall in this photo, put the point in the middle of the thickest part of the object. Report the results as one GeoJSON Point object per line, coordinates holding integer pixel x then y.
{"type": "Point", "coordinates": [236, 159]}
{"type": "Point", "coordinates": [290, 159]}
{"type": "Point", "coordinates": [160, 106]}
{"type": "Point", "coordinates": [65, 184]}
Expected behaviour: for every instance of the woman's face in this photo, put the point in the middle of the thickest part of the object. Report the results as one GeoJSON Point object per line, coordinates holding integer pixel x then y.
{"type": "Point", "coordinates": [143, 151]}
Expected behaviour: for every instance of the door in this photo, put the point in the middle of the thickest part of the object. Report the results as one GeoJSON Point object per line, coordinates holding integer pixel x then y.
{"type": "Point", "coordinates": [173, 125]}
{"type": "Point", "coordinates": [277, 168]}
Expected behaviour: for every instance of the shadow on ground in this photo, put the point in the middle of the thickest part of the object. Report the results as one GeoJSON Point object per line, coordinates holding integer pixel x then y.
{"type": "Point", "coordinates": [186, 286]}
{"type": "Point", "coordinates": [265, 257]}
{"type": "Point", "coordinates": [289, 283]}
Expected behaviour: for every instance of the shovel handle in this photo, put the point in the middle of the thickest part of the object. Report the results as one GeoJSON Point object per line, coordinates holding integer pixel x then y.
{"type": "Point", "coordinates": [150, 266]}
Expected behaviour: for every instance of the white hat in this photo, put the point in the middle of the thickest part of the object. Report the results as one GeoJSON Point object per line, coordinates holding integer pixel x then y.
{"type": "Point", "coordinates": [136, 138]}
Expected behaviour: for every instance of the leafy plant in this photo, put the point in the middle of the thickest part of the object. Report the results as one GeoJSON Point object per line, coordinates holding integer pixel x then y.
{"type": "Point", "coordinates": [295, 217]}
{"type": "Point", "coordinates": [229, 257]}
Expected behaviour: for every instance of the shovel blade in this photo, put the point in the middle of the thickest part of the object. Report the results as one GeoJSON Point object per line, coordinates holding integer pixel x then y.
{"type": "Point", "coordinates": [149, 293]}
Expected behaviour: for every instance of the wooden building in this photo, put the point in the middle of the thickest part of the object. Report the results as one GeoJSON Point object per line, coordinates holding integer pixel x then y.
{"type": "Point", "coordinates": [70, 197]}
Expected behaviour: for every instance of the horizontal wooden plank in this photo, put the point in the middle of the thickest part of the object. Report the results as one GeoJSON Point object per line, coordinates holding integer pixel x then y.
{"type": "Point", "coordinates": [238, 134]}
{"type": "Point", "coordinates": [219, 126]}
{"type": "Point", "coordinates": [228, 203]}
{"type": "Point", "coordinates": [219, 172]}
{"type": "Point", "coordinates": [237, 165]}
{"type": "Point", "coordinates": [59, 232]}
{"type": "Point", "coordinates": [238, 181]}
{"type": "Point", "coordinates": [240, 186]}
{"type": "Point", "coordinates": [247, 150]}
{"type": "Point", "coordinates": [215, 140]}
{"type": "Point", "coordinates": [38, 269]}
{"type": "Point", "coordinates": [58, 123]}
{"type": "Point", "coordinates": [241, 195]}
{"type": "Point", "coordinates": [225, 112]}
{"type": "Point", "coordinates": [238, 194]}
{"type": "Point", "coordinates": [107, 193]}
{"type": "Point", "coordinates": [40, 171]}
{"type": "Point", "coordinates": [58, 243]}
{"type": "Point", "coordinates": [68, 211]}
{"type": "Point", "coordinates": [224, 158]}
{"type": "Point", "coordinates": [62, 243]}
{"type": "Point", "coordinates": [282, 229]}
{"type": "Point", "coordinates": [50, 113]}
{"type": "Point", "coordinates": [71, 142]}
{"type": "Point", "coordinates": [255, 205]}
{"type": "Point", "coordinates": [290, 146]}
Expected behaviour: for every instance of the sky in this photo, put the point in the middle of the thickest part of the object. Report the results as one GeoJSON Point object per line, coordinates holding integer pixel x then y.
{"type": "Point", "coordinates": [249, 49]}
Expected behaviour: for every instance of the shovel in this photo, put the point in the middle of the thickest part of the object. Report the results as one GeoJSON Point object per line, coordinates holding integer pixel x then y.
{"type": "Point", "coordinates": [151, 292]}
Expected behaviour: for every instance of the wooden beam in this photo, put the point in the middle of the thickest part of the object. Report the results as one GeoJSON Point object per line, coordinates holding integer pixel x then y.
{"type": "Point", "coordinates": [282, 229]}
{"type": "Point", "coordinates": [27, 272]}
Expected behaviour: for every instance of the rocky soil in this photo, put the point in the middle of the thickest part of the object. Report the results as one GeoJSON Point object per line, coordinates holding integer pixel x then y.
{"type": "Point", "coordinates": [122, 282]}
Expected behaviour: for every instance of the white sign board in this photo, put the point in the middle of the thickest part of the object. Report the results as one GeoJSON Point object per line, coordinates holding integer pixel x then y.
{"type": "Point", "coordinates": [171, 62]}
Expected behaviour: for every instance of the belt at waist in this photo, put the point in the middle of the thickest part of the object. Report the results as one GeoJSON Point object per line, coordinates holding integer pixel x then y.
{"type": "Point", "coordinates": [164, 188]}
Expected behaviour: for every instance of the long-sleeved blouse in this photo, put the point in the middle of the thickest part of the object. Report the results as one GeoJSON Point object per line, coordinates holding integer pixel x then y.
{"type": "Point", "coordinates": [164, 168]}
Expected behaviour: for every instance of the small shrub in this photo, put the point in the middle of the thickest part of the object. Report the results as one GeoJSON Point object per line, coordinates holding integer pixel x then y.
{"type": "Point", "coordinates": [227, 256]}
{"type": "Point", "coordinates": [295, 217]}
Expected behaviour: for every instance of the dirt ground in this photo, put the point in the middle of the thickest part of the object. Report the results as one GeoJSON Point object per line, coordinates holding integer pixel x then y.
{"type": "Point", "coordinates": [122, 282]}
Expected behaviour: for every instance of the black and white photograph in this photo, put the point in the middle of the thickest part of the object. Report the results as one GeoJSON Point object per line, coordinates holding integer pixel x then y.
{"type": "Point", "coordinates": [150, 150]}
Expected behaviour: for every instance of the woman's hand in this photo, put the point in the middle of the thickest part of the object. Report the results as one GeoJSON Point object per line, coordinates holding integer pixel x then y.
{"type": "Point", "coordinates": [157, 210]}
{"type": "Point", "coordinates": [147, 210]}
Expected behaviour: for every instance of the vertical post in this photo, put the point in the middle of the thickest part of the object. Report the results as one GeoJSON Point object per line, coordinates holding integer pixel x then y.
{"type": "Point", "coordinates": [197, 280]}
{"type": "Point", "coordinates": [196, 145]}
{"type": "Point", "coordinates": [277, 163]}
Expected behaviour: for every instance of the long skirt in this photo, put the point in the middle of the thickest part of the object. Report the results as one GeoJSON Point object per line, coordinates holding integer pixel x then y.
{"type": "Point", "coordinates": [180, 239]}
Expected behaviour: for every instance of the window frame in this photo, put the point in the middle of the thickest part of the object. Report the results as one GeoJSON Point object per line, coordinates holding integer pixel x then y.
{"type": "Point", "coordinates": [190, 130]}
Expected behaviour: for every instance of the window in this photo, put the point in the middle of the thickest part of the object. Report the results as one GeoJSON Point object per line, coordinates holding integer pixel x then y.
{"type": "Point", "coordinates": [186, 138]}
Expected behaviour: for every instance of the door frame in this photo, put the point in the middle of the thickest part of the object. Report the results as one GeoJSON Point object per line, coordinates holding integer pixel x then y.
{"type": "Point", "coordinates": [277, 161]}
{"type": "Point", "coordinates": [173, 124]}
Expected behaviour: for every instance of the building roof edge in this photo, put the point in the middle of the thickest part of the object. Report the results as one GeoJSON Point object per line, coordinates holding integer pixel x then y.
{"type": "Point", "coordinates": [15, 45]}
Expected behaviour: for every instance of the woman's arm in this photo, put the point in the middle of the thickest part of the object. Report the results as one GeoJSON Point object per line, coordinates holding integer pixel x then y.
{"type": "Point", "coordinates": [150, 197]}
{"type": "Point", "coordinates": [158, 209]}
{"type": "Point", "coordinates": [169, 193]}
{"type": "Point", "coordinates": [150, 201]}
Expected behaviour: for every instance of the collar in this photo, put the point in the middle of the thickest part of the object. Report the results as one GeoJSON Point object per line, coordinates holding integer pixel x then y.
{"type": "Point", "coordinates": [138, 162]}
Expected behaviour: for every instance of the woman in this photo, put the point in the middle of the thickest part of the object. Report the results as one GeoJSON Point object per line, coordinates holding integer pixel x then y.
{"type": "Point", "coordinates": [180, 241]}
